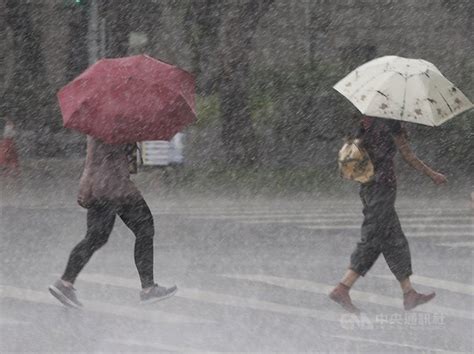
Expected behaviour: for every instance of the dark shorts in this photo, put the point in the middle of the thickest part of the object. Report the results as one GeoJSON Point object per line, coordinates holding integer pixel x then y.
{"type": "Point", "coordinates": [381, 232]}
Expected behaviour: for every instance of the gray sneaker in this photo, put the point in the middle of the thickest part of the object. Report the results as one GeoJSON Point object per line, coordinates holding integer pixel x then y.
{"type": "Point", "coordinates": [157, 293]}
{"type": "Point", "coordinates": [66, 295]}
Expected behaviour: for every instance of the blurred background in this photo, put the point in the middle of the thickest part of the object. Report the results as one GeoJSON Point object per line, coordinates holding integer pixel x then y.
{"type": "Point", "coordinates": [267, 112]}
{"type": "Point", "coordinates": [253, 222]}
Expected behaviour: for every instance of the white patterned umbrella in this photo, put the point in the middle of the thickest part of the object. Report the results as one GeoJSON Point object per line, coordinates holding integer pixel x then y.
{"type": "Point", "coordinates": [411, 90]}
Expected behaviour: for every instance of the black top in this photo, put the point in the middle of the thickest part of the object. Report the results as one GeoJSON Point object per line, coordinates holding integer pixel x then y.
{"type": "Point", "coordinates": [377, 136]}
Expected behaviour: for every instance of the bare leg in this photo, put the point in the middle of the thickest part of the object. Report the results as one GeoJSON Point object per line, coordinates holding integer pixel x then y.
{"type": "Point", "coordinates": [406, 286]}
{"type": "Point", "coordinates": [350, 278]}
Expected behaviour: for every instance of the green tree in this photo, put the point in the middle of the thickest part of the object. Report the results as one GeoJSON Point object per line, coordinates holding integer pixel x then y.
{"type": "Point", "coordinates": [117, 19]}
{"type": "Point", "coordinates": [226, 29]}
{"type": "Point", "coordinates": [78, 58]}
{"type": "Point", "coordinates": [28, 95]}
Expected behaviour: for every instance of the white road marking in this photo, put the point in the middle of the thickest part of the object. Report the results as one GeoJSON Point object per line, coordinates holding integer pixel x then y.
{"type": "Point", "coordinates": [411, 233]}
{"type": "Point", "coordinates": [252, 211]}
{"type": "Point", "coordinates": [299, 208]}
{"type": "Point", "coordinates": [99, 307]}
{"type": "Point", "coordinates": [12, 322]}
{"type": "Point", "coordinates": [395, 344]}
{"type": "Point", "coordinates": [314, 219]}
{"type": "Point", "coordinates": [295, 207]}
{"type": "Point", "coordinates": [449, 234]}
{"type": "Point", "coordinates": [248, 303]}
{"type": "Point", "coordinates": [436, 283]}
{"type": "Point", "coordinates": [310, 286]}
{"type": "Point", "coordinates": [222, 299]}
{"type": "Point", "coordinates": [313, 215]}
{"type": "Point", "coordinates": [404, 227]}
{"type": "Point", "coordinates": [466, 244]}
{"type": "Point", "coordinates": [271, 216]}
{"type": "Point", "coordinates": [337, 222]}
{"type": "Point", "coordinates": [324, 214]}
{"type": "Point", "coordinates": [262, 216]}
{"type": "Point", "coordinates": [157, 346]}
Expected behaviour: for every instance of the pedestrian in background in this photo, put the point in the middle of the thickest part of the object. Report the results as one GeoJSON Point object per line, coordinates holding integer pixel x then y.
{"type": "Point", "coordinates": [9, 163]}
{"type": "Point", "coordinates": [106, 191]}
{"type": "Point", "coordinates": [381, 232]}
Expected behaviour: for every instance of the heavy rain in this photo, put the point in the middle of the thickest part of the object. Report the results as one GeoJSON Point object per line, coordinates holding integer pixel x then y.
{"type": "Point", "coordinates": [236, 176]}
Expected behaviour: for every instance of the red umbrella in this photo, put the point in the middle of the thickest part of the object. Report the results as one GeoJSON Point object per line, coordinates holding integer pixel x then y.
{"type": "Point", "coordinates": [129, 99]}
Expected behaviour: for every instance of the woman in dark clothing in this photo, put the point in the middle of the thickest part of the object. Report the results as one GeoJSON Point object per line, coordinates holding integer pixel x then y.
{"type": "Point", "coordinates": [106, 191]}
{"type": "Point", "coordinates": [381, 231]}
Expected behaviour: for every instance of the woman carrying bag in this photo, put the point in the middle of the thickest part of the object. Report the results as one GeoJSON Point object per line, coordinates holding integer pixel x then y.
{"type": "Point", "coordinates": [381, 232]}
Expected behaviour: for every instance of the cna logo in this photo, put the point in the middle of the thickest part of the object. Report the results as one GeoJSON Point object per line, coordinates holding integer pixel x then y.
{"type": "Point", "coordinates": [351, 321]}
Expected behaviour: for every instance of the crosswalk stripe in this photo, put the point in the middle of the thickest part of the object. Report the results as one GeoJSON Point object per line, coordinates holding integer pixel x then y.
{"type": "Point", "coordinates": [436, 283]}
{"type": "Point", "coordinates": [301, 208]}
{"type": "Point", "coordinates": [317, 222]}
{"type": "Point", "coordinates": [12, 322]}
{"type": "Point", "coordinates": [220, 215]}
{"type": "Point", "coordinates": [222, 299]}
{"type": "Point", "coordinates": [466, 244]}
{"type": "Point", "coordinates": [356, 207]}
{"type": "Point", "coordinates": [306, 285]}
{"type": "Point", "coordinates": [158, 346]}
{"type": "Point", "coordinates": [230, 300]}
{"type": "Point", "coordinates": [405, 227]}
{"type": "Point", "coordinates": [394, 344]}
{"type": "Point", "coordinates": [287, 217]}
{"type": "Point", "coordinates": [99, 307]}
{"type": "Point", "coordinates": [343, 210]}
{"type": "Point", "coordinates": [203, 210]}
{"type": "Point", "coordinates": [450, 234]}
{"type": "Point", "coordinates": [262, 216]}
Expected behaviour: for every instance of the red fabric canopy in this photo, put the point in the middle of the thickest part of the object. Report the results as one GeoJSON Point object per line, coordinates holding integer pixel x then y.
{"type": "Point", "coordinates": [129, 99]}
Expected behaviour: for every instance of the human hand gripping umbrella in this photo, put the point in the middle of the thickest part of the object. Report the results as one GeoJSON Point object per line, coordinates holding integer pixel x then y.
{"type": "Point", "coordinates": [411, 90]}
{"type": "Point", "coordinates": [392, 87]}
{"type": "Point", "coordinates": [130, 99]}
{"type": "Point", "coordinates": [116, 102]}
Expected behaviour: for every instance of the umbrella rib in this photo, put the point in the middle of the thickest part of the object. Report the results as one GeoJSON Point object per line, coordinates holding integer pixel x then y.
{"type": "Point", "coordinates": [363, 85]}
{"type": "Point", "coordinates": [435, 86]}
{"type": "Point", "coordinates": [385, 95]}
{"type": "Point", "coordinates": [444, 99]}
{"type": "Point", "coordinates": [378, 91]}
{"type": "Point", "coordinates": [404, 98]}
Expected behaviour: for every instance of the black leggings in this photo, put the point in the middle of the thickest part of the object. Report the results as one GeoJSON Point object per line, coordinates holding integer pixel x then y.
{"type": "Point", "coordinates": [381, 233]}
{"type": "Point", "coordinates": [100, 222]}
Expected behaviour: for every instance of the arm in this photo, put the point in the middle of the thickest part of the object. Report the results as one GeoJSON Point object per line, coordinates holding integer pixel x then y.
{"type": "Point", "coordinates": [409, 156]}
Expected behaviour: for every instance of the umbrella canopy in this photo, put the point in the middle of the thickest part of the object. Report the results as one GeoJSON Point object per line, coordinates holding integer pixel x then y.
{"type": "Point", "coordinates": [129, 99]}
{"type": "Point", "coordinates": [410, 90]}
